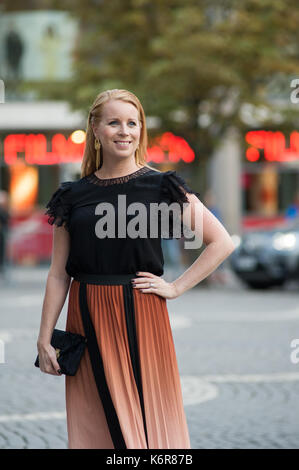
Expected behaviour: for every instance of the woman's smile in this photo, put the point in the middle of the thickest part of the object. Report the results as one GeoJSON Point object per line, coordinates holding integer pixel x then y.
{"type": "Point", "coordinates": [122, 143]}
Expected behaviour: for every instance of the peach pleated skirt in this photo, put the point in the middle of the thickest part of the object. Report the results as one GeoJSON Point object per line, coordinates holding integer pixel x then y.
{"type": "Point", "coordinates": [126, 393]}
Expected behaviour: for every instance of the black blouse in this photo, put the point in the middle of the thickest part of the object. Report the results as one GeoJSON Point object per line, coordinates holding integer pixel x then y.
{"type": "Point", "coordinates": [74, 205]}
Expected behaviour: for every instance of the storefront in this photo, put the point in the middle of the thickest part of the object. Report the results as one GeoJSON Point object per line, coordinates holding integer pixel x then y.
{"type": "Point", "coordinates": [254, 178]}
{"type": "Point", "coordinates": [41, 144]}
{"type": "Point", "coordinates": [270, 176]}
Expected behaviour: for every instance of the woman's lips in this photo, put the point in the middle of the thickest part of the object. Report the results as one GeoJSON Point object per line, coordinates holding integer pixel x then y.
{"type": "Point", "coordinates": [122, 144]}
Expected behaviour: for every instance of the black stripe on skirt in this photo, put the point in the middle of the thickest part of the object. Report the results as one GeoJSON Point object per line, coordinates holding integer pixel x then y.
{"type": "Point", "coordinates": [95, 355]}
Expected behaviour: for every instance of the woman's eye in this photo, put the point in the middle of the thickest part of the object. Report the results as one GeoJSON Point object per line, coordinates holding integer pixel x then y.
{"type": "Point", "coordinates": [131, 122]}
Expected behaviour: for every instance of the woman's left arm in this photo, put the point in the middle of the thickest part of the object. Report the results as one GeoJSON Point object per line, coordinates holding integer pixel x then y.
{"type": "Point", "coordinates": [219, 246]}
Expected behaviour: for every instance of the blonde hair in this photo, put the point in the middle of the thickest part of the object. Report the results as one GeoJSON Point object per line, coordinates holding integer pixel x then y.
{"type": "Point", "coordinates": [88, 165]}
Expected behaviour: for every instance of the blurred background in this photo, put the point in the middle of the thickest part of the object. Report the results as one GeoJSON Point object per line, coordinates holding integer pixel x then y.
{"type": "Point", "coordinates": [219, 83]}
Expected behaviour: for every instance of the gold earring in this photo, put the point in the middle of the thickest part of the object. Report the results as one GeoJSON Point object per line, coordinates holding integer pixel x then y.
{"type": "Point", "coordinates": [97, 146]}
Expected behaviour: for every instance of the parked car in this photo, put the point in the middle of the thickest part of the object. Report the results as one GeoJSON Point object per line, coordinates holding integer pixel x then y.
{"type": "Point", "coordinates": [30, 239]}
{"type": "Point", "coordinates": [267, 257]}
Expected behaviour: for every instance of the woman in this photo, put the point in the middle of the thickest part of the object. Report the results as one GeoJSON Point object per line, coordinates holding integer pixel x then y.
{"type": "Point", "coordinates": [126, 392]}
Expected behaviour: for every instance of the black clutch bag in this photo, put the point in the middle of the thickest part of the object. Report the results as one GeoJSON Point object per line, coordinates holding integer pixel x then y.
{"type": "Point", "coordinates": [69, 350]}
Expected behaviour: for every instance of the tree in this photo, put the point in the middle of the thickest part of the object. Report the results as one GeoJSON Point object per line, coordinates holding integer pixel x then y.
{"type": "Point", "coordinates": [189, 62]}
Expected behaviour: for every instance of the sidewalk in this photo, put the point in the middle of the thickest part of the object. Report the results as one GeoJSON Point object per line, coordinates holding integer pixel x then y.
{"type": "Point", "coordinates": [239, 386]}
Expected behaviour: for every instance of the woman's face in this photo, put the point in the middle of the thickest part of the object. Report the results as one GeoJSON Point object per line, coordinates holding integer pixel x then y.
{"type": "Point", "coordinates": [119, 129]}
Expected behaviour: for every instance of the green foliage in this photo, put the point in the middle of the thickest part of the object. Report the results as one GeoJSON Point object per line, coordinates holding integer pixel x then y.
{"type": "Point", "coordinates": [202, 56]}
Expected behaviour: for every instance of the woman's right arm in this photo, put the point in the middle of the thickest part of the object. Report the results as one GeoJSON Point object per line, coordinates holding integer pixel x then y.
{"type": "Point", "coordinates": [57, 287]}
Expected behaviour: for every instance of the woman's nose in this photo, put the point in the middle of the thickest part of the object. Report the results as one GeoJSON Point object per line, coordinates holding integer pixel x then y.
{"type": "Point", "coordinates": [123, 130]}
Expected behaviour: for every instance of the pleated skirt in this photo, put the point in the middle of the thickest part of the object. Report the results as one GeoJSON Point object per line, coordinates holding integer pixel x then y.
{"type": "Point", "coordinates": [128, 393]}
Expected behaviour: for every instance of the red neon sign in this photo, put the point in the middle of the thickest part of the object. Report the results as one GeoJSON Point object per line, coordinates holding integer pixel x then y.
{"type": "Point", "coordinates": [176, 147]}
{"type": "Point", "coordinates": [274, 146]}
{"type": "Point", "coordinates": [34, 148]}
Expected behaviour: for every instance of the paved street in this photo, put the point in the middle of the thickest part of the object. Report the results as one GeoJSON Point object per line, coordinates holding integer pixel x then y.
{"type": "Point", "coordinates": [233, 348]}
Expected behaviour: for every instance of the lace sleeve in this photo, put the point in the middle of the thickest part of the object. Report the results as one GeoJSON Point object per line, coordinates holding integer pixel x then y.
{"type": "Point", "coordinates": [174, 189]}
{"type": "Point", "coordinates": [59, 206]}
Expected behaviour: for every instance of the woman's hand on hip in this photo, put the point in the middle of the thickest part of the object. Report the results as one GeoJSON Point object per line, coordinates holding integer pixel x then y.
{"type": "Point", "coordinates": [149, 283]}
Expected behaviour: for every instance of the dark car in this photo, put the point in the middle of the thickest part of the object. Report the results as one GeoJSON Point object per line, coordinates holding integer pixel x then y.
{"type": "Point", "coordinates": [265, 258]}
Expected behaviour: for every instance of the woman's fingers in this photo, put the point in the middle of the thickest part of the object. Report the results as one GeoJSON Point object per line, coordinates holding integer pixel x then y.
{"type": "Point", "coordinates": [48, 362]}
{"type": "Point", "coordinates": [47, 367]}
{"type": "Point", "coordinates": [145, 278]}
{"type": "Point", "coordinates": [159, 285]}
{"type": "Point", "coordinates": [55, 366]}
{"type": "Point", "coordinates": [148, 283]}
{"type": "Point", "coordinates": [145, 282]}
{"type": "Point", "coordinates": [144, 273]}
{"type": "Point", "coordinates": [54, 362]}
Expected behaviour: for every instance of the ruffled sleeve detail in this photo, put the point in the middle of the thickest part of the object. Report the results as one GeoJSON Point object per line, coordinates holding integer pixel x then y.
{"type": "Point", "coordinates": [174, 189]}
{"type": "Point", "coordinates": [59, 206]}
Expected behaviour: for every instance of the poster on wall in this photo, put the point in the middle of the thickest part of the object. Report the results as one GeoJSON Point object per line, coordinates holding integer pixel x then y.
{"type": "Point", "coordinates": [36, 45]}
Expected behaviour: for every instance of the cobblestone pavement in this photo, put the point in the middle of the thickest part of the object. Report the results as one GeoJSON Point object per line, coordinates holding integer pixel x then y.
{"type": "Point", "coordinates": [233, 348]}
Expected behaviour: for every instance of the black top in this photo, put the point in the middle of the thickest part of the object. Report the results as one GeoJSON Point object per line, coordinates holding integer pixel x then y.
{"type": "Point", "coordinates": [74, 205]}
